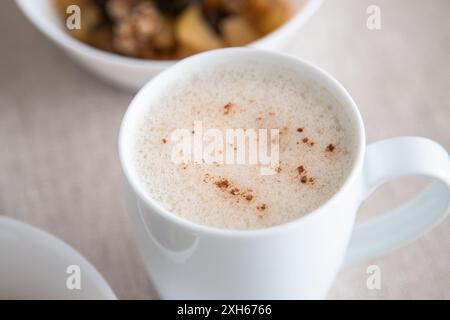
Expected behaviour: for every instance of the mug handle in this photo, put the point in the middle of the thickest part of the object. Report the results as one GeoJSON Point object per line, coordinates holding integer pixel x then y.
{"type": "Point", "coordinates": [384, 161]}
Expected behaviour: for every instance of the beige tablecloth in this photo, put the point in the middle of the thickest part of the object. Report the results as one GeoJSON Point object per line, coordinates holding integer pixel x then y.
{"type": "Point", "coordinates": [58, 130]}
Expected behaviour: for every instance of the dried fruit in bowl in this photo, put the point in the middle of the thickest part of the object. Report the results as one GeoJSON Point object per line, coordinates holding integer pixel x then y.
{"type": "Point", "coordinates": [238, 31]}
{"type": "Point", "coordinates": [268, 15]}
{"type": "Point", "coordinates": [174, 29]}
{"type": "Point", "coordinates": [193, 31]}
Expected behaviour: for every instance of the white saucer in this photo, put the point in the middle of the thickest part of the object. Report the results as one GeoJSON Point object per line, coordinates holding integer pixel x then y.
{"type": "Point", "coordinates": [33, 265]}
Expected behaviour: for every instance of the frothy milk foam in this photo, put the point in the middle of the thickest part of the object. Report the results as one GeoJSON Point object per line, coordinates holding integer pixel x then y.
{"type": "Point", "coordinates": [316, 146]}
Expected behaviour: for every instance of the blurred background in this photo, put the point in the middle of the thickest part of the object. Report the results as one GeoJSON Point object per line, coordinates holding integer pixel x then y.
{"type": "Point", "coordinates": [59, 168]}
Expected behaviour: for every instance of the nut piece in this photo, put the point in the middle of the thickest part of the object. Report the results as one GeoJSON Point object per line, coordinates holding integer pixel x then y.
{"type": "Point", "coordinates": [147, 19]}
{"type": "Point", "coordinates": [125, 40]}
{"type": "Point", "coordinates": [119, 9]}
{"type": "Point", "coordinates": [135, 33]}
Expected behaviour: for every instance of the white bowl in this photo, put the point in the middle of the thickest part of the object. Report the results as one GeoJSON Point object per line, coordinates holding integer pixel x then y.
{"type": "Point", "coordinates": [33, 265]}
{"type": "Point", "coordinates": [133, 73]}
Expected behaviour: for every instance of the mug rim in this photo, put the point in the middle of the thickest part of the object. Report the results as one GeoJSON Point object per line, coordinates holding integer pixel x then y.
{"type": "Point", "coordinates": [138, 188]}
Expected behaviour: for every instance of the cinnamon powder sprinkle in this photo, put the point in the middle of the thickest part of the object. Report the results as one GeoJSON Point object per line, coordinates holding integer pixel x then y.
{"type": "Point", "coordinates": [308, 142]}
{"type": "Point", "coordinates": [262, 207]}
{"type": "Point", "coordinates": [222, 183]}
{"type": "Point", "coordinates": [301, 169]}
{"type": "Point", "coordinates": [226, 185]}
{"type": "Point", "coordinates": [331, 147]}
{"type": "Point", "coordinates": [228, 107]}
{"type": "Point", "coordinates": [164, 140]}
{"type": "Point", "coordinates": [305, 179]}
{"type": "Point", "coordinates": [300, 130]}
{"type": "Point", "coordinates": [234, 191]}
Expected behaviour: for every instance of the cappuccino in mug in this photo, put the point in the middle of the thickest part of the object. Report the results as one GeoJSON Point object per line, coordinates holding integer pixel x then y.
{"type": "Point", "coordinates": [246, 146]}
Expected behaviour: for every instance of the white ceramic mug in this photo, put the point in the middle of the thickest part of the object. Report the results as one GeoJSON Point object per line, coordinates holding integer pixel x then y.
{"type": "Point", "coordinates": [297, 260]}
